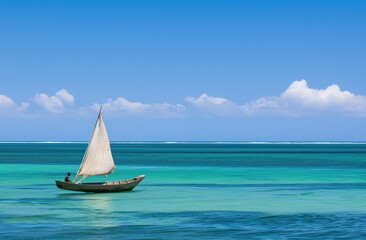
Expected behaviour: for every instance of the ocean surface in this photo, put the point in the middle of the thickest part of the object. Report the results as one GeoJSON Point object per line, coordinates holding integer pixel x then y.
{"type": "Point", "coordinates": [191, 191]}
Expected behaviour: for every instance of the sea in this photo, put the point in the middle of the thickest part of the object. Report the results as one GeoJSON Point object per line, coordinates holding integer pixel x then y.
{"type": "Point", "coordinates": [192, 190]}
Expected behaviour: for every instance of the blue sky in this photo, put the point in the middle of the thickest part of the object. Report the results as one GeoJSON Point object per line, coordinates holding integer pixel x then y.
{"type": "Point", "coordinates": [183, 70]}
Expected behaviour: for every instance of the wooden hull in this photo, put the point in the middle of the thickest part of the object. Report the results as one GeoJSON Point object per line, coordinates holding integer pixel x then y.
{"type": "Point", "coordinates": [102, 187]}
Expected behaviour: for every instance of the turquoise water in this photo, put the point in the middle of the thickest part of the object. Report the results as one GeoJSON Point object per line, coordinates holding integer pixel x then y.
{"type": "Point", "coordinates": [191, 191]}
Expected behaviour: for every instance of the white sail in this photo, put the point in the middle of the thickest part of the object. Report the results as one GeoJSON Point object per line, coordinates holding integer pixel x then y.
{"type": "Point", "coordinates": [98, 158]}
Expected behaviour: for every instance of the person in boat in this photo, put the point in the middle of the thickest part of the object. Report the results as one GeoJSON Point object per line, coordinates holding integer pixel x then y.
{"type": "Point", "coordinates": [67, 178]}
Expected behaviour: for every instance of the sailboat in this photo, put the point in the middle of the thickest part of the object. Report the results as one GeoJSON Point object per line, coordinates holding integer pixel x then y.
{"type": "Point", "coordinates": [98, 160]}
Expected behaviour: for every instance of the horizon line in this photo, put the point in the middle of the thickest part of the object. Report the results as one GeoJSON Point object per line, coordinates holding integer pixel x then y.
{"type": "Point", "coordinates": [201, 141]}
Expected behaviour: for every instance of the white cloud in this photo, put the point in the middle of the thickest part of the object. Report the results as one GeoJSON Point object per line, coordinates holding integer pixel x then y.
{"type": "Point", "coordinates": [65, 96]}
{"type": "Point", "coordinates": [300, 99]}
{"type": "Point", "coordinates": [56, 103]}
{"type": "Point", "coordinates": [297, 100]}
{"type": "Point", "coordinates": [6, 102]}
{"type": "Point", "coordinates": [8, 108]}
{"type": "Point", "coordinates": [204, 100]}
{"type": "Point", "coordinates": [218, 105]}
{"type": "Point", "coordinates": [126, 107]}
